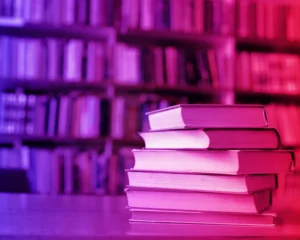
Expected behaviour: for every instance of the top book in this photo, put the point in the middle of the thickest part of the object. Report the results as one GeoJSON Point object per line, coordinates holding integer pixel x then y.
{"type": "Point", "coordinates": [208, 116]}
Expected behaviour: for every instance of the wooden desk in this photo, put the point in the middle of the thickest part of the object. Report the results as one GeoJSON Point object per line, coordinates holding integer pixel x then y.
{"type": "Point", "coordinates": [83, 217]}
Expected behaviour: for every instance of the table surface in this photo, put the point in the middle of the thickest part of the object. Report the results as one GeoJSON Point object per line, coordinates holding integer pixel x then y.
{"type": "Point", "coordinates": [96, 217]}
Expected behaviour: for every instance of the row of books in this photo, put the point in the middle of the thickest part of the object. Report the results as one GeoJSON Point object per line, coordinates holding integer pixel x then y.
{"type": "Point", "coordinates": [170, 66]}
{"type": "Point", "coordinates": [286, 119]}
{"type": "Point", "coordinates": [195, 16]}
{"type": "Point", "coordinates": [64, 116]}
{"type": "Point", "coordinates": [82, 12]}
{"type": "Point", "coordinates": [75, 60]}
{"type": "Point", "coordinates": [267, 20]}
{"type": "Point", "coordinates": [269, 72]}
{"type": "Point", "coordinates": [53, 59]}
{"type": "Point", "coordinates": [67, 171]}
{"type": "Point", "coordinates": [77, 116]}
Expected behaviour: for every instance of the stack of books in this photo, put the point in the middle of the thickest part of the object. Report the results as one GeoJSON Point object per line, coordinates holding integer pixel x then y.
{"type": "Point", "coordinates": [208, 164]}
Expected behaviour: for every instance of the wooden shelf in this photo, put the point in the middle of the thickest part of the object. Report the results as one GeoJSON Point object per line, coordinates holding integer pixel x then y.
{"type": "Point", "coordinates": [128, 143]}
{"type": "Point", "coordinates": [44, 30]}
{"type": "Point", "coordinates": [60, 87]}
{"type": "Point", "coordinates": [267, 45]}
{"type": "Point", "coordinates": [45, 86]}
{"type": "Point", "coordinates": [50, 142]}
{"type": "Point", "coordinates": [165, 90]}
{"type": "Point", "coordinates": [159, 37]}
{"type": "Point", "coordinates": [45, 141]}
{"type": "Point", "coordinates": [265, 97]}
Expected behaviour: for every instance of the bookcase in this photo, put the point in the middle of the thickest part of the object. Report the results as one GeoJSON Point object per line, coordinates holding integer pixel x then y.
{"type": "Point", "coordinates": [77, 77]}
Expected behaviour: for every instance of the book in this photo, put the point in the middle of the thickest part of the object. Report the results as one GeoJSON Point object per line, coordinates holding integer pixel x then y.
{"type": "Point", "coordinates": [208, 115]}
{"type": "Point", "coordinates": [205, 230]}
{"type": "Point", "coordinates": [197, 201]}
{"type": "Point", "coordinates": [210, 138]}
{"type": "Point", "coordinates": [192, 217]}
{"type": "Point", "coordinates": [233, 162]}
{"type": "Point", "coordinates": [201, 182]}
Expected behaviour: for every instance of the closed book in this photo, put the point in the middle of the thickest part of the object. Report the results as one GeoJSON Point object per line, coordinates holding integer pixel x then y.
{"type": "Point", "coordinates": [96, 62]}
{"type": "Point", "coordinates": [208, 115]}
{"type": "Point", "coordinates": [201, 182]}
{"type": "Point", "coordinates": [193, 217]}
{"type": "Point", "coordinates": [52, 116]}
{"type": "Point", "coordinates": [204, 231]}
{"type": "Point", "coordinates": [83, 164]}
{"type": "Point", "coordinates": [197, 201]}
{"type": "Point", "coordinates": [96, 13]}
{"type": "Point", "coordinates": [20, 60]}
{"type": "Point", "coordinates": [55, 58]}
{"type": "Point", "coordinates": [72, 60]}
{"type": "Point", "coordinates": [68, 16]}
{"type": "Point", "coordinates": [64, 116]}
{"type": "Point", "coordinates": [33, 58]}
{"type": "Point", "coordinates": [210, 138]}
{"type": "Point", "coordinates": [219, 162]}
{"type": "Point", "coordinates": [146, 14]}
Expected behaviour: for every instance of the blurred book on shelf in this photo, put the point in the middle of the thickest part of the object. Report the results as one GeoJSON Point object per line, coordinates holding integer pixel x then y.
{"type": "Point", "coordinates": [267, 20]}
{"type": "Point", "coordinates": [268, 72]}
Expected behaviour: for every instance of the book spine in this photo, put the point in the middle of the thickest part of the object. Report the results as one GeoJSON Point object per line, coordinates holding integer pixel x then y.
{"type": "Point", "coordinates": [33, 58]}
{"type": "Point", "coordinates": [73, 60]}
{"type": "Point", "coordinates": [68, 12]}
{"type": "Point", "coordinates": [147, 22]}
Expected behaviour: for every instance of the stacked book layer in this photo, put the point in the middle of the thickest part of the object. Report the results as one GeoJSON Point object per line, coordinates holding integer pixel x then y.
{"type": "Point", "coordinates": [208, 164]}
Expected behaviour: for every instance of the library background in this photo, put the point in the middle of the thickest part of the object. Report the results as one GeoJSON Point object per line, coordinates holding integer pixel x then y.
{"type": "Point", "coordinates": [77, 77]}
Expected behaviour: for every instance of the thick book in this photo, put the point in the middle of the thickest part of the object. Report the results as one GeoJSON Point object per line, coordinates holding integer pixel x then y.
{"type": "Point", "coordinates": [208, 116]}
{"type": "Point", "coordinates": [187, 200]}
{"type": "Point", "coordinates": [193, 217]}
{"type": "Point", "coordinates": [210, 138]}
{"type": "Point", "coordinates": [202, 182]}
{"type": "Point", "coordinates": [234, 162]}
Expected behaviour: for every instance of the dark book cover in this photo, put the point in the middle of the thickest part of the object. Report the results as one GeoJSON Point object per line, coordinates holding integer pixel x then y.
{"type": "Point", "coordinates": [162, 15]}
{"type": "Point", "coordinates": [102, 169]}
{"type": "Point", "coordinates": [252, 20]}
{"type": "Point", "coordinates": [204, 70]}
{"type": "Point", "coordinates": [109, 12]}
{"type": "Point", "coordinates": [105, 121]}
{"type": "Point", "coordinates": [84, 61]}
{"type": "Point", "coordinates": [208, 16]}
{"type": "Point", "coordinates": [204, 78]}
{"type": "Point", "coordinates": [217, 16]}
{"type": "Point", "coordinates": [146, 62]}
{"type": "Point", "coordinates": [82, 12]}
{"type": "Point", "coordinates": [181, 67]}
{"type": "Point", "coordinates": [190, 66]}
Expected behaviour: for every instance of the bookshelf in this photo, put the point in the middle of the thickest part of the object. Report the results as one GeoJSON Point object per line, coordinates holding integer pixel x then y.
{"type": "Point", "coordinates": [131, 61]}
